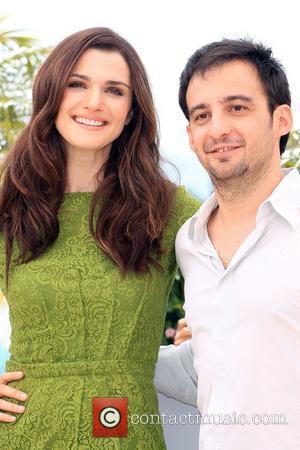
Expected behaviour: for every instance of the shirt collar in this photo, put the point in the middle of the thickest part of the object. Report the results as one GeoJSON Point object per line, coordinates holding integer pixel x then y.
{"type": "Point", "coordinates": [199, 221]}
{"type": "Point", "coordinates": [285, 200]}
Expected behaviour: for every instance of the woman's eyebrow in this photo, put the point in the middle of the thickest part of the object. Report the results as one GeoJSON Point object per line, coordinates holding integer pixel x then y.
{"type": "Point", "coordinates": [113, 82]}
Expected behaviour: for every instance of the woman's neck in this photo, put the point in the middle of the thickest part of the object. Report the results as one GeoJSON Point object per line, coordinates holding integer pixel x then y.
{"type": "Point", "coordinates": [83, 167]}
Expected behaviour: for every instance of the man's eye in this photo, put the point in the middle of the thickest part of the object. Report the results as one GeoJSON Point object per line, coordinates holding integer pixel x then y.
{"type": "Point", "coordinates": [238, 108]}
{"type": "Point", "coordinates": [202, 116]}
{"type": "Point", "coordinates": [114, 91]}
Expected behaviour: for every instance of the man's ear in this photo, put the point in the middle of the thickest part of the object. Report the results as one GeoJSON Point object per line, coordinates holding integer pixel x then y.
{"type": "Point", "coordinates": [189, 132]}
{"type": "Point", "coordinates": [282, 120]}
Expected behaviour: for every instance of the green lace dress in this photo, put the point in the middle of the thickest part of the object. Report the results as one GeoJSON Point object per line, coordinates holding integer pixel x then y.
{"type": "Point", "coordinates": [80, 330]}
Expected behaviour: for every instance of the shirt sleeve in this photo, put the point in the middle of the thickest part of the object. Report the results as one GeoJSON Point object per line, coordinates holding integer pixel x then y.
{"type": "Point", "coordinates": [175, 375]}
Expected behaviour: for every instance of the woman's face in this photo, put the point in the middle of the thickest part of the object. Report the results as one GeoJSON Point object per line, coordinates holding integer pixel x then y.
{"type": "Point", "coordinates": [96, 102]}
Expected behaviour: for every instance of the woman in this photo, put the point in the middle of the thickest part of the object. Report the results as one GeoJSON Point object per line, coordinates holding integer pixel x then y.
{"type": "Point", "coordinates": [87, 222]}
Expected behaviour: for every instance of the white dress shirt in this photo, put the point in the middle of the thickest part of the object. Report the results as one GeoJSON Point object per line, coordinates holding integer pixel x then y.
{"type": "Point", "coordinates": [245, 322]}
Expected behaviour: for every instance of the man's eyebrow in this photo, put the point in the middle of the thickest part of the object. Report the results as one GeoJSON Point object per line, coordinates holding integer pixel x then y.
{"type": "Point", "coordinates": [111, 82]}
{"type": "Point", "coordinates": [231, 98]}
{"type": "Point", "coordinates": [227, 99]}
{"type": "Point", "coordinates": [196, 107]}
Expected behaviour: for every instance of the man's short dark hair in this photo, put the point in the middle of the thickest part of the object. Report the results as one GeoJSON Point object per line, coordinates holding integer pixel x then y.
{"type": "Point", "coordinates": [269, 70]}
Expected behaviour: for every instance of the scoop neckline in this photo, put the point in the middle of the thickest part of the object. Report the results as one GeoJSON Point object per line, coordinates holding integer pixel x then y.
{"type": "Point", "coordinates": [78, 193]}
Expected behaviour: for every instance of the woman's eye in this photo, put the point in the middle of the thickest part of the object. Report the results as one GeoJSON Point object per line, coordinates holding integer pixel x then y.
{"type": "Point", "coordinates": [75, 84]}
{"type": "Point", "coordinates": [114, 91]}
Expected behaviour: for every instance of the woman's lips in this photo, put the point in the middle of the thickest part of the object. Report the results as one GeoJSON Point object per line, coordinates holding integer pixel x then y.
{"type": "Point", "coordinates": [90, 123]}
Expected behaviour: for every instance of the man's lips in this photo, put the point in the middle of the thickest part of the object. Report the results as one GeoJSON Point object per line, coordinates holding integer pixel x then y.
{"type": "Point", "coordinates": [224, 149]}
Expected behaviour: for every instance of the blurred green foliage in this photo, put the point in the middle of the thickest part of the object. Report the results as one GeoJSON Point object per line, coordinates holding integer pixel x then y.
{"type": "Point", "coordinates": [291, 157]}
{"type": "Point", "coordinates": [20, 57]}
{"type": "Point", "coordinates": [174, 311]}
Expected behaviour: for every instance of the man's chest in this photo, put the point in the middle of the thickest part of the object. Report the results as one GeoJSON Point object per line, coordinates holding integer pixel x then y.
{"type": "Point", "coordinates": [227, 241]}
{"type": "Point", "coordinates": [260, 284]}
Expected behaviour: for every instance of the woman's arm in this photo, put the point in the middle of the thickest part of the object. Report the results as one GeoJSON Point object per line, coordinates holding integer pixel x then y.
{"type": "Point", "coordinates": [7, 391]}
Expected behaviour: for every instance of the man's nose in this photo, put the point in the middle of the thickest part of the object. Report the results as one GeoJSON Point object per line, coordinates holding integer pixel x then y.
{"type": "Point", "coordinates": [219, 126]}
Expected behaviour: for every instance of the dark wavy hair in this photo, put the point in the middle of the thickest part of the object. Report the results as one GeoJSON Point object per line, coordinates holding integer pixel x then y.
{"type": "Point", "coordinates": [269, 70]}
{"type": "Point", "coordinates": [136, 197]}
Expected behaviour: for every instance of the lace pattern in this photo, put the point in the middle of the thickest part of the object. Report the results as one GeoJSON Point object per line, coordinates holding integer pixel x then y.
{"type": "Point", "coordinates": [80, 330]}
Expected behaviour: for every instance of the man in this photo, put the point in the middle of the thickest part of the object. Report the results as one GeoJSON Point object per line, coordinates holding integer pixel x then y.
{"type": "Point", "coordinates": [240, 255]}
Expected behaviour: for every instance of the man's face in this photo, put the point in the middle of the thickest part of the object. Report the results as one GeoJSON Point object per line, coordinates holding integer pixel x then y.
{"type": "Point", "coordinates": [231, 129]}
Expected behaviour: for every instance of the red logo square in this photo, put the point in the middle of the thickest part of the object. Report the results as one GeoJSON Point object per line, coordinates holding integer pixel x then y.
{"type": "Point", "coordinates": [110, 417]}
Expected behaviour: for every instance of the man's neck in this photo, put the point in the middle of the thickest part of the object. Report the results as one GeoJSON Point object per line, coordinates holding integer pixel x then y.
{"type": "Point", "coordinates": [235, 218]}
{"type": "Point", "coordinates": [241, 205]}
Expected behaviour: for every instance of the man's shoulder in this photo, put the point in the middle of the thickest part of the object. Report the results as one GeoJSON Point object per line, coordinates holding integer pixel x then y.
{"type": "Point", "coordinates": [185, 243]}
{"type": "Point", "coordinates": [186, 231]}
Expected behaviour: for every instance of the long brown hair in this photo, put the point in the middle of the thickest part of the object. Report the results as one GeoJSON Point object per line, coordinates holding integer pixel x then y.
{"type": "Point", "coordinates": [136, 198]}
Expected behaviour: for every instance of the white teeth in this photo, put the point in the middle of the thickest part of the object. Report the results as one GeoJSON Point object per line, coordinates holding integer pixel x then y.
{"type": "Point", "coordinates": [222, 150]}
{"type": "Point", "coordinates": [93, 123]}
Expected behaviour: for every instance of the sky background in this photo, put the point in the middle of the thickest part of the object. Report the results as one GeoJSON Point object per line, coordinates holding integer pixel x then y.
{"type": "Point", "coordinates": [165, 34]}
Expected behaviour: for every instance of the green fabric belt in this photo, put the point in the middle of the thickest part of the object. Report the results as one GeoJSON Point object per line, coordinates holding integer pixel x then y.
{"type": "Point", "coordinates": [125, 367]}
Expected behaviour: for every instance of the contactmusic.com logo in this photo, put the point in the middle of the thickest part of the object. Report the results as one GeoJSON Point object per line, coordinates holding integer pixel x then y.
{"type": "Point", "coordinates": [110, 417]}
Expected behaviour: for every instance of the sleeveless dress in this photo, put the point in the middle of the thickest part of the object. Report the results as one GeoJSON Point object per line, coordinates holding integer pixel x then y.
{"type": "Point", "coordinates": [81, 330]}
